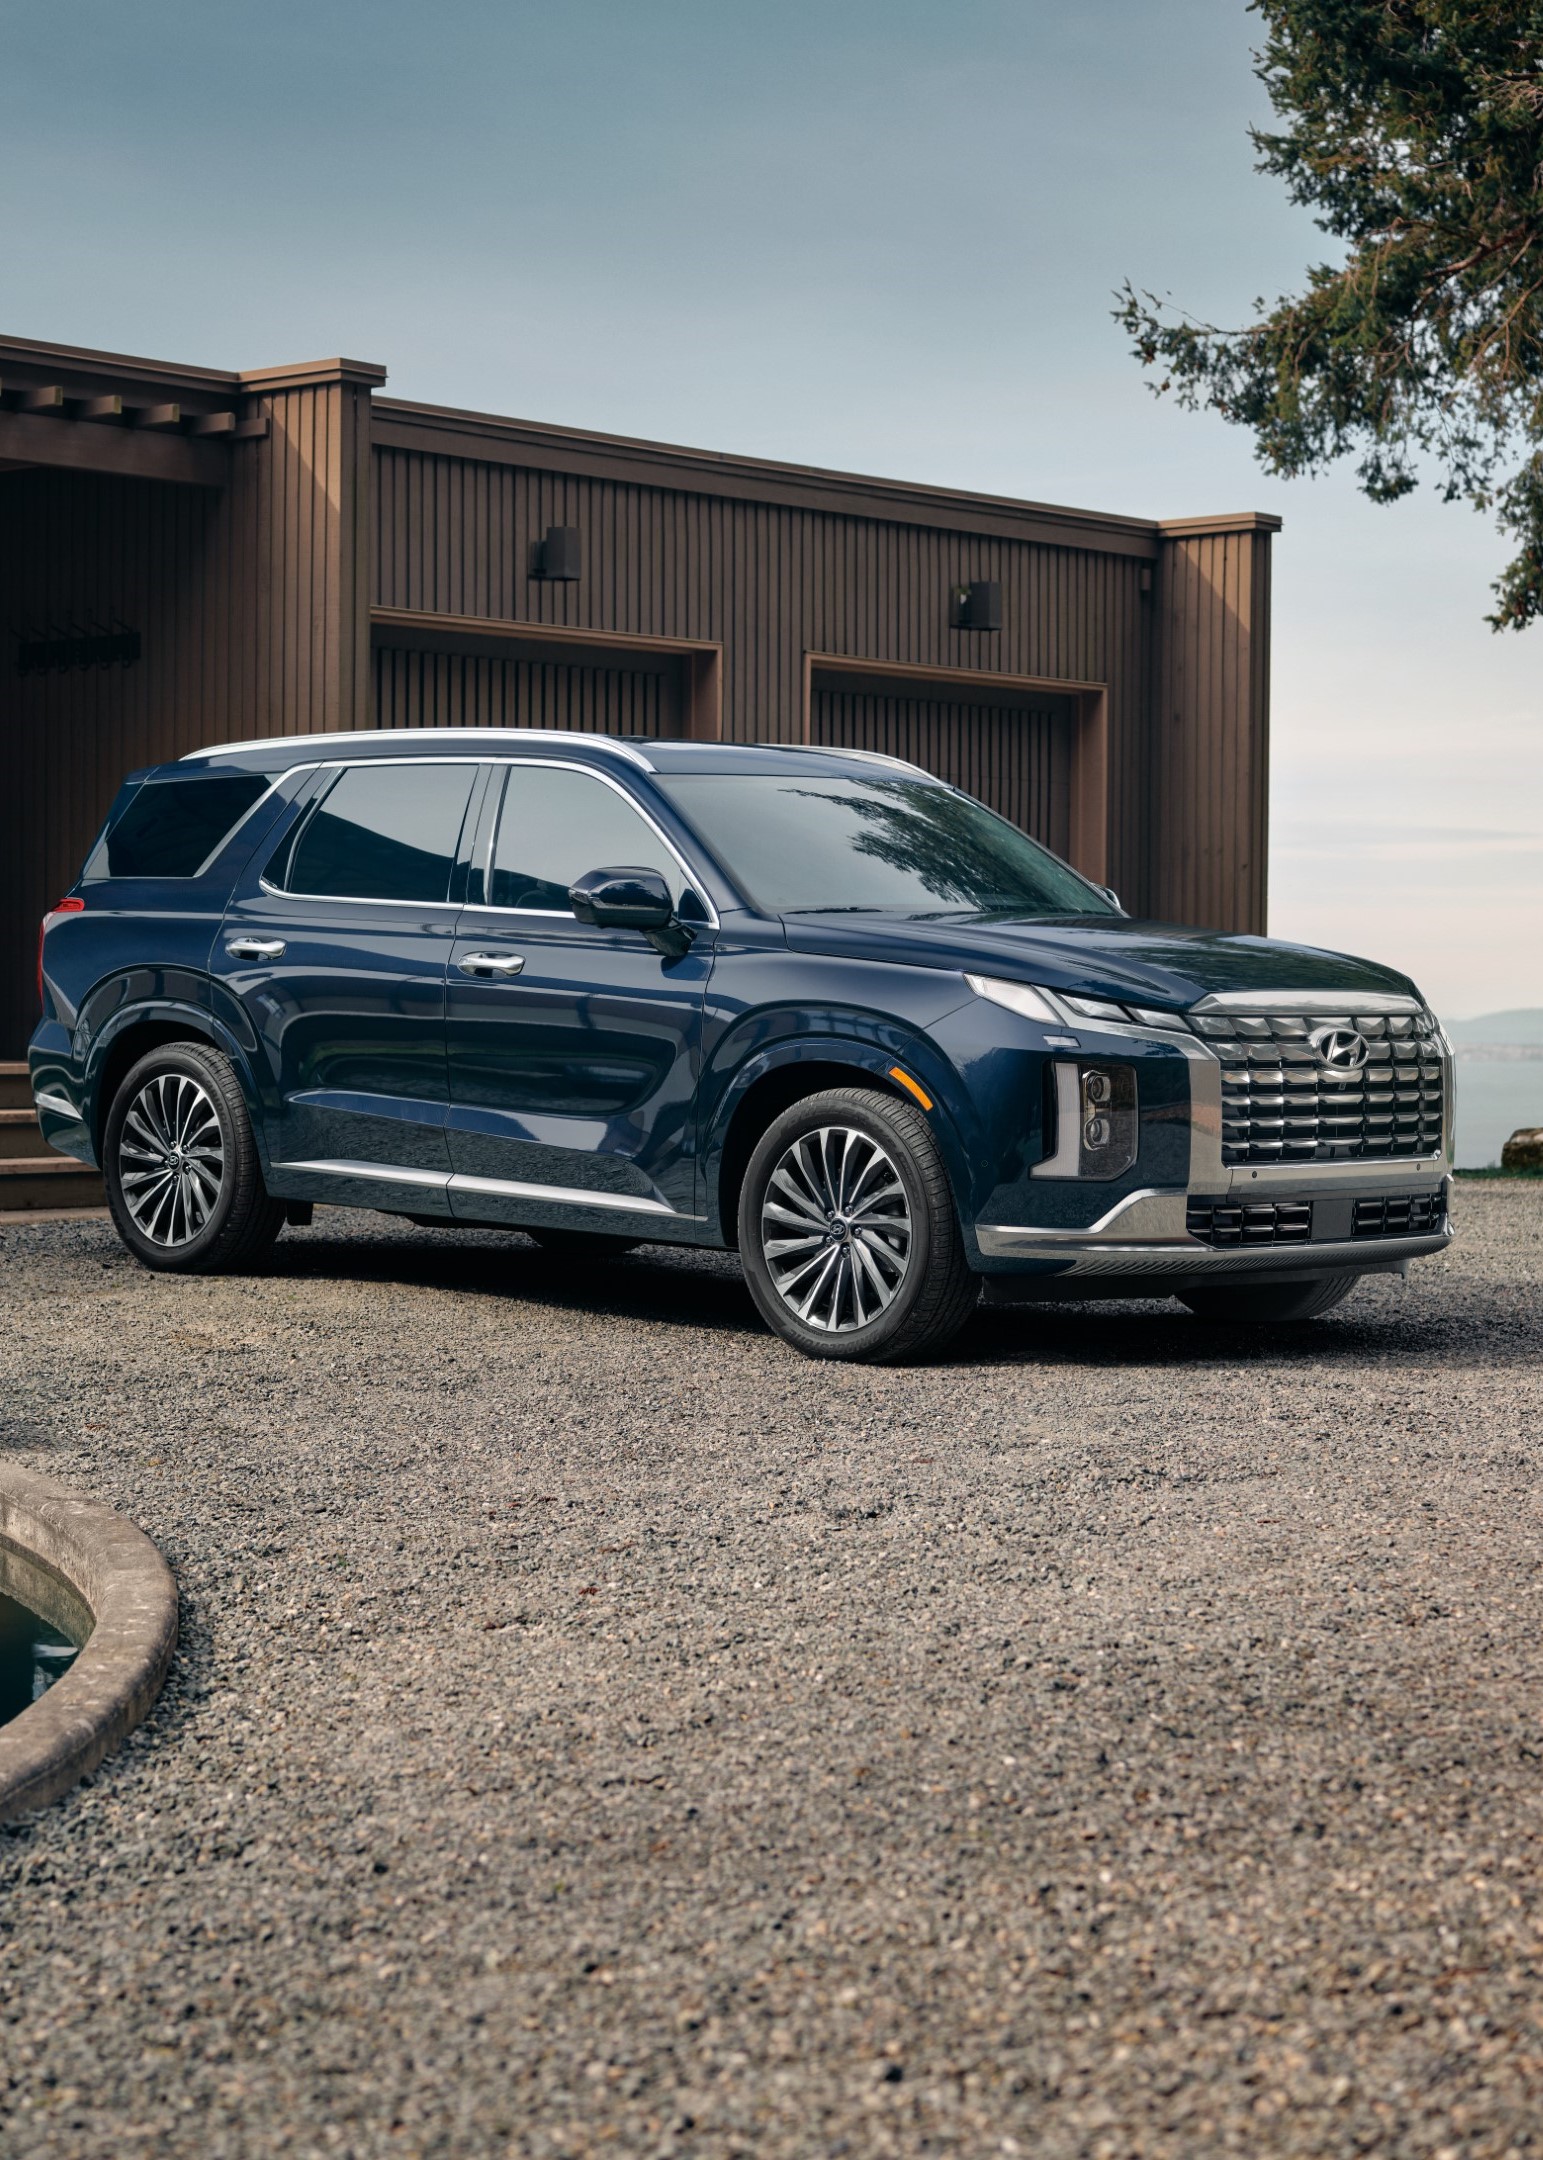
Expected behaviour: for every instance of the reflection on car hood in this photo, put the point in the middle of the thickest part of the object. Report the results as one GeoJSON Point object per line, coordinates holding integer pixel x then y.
{"type": "Point", "coordinates": [1149, 963]}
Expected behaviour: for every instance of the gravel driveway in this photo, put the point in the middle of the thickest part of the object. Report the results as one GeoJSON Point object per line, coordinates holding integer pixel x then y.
{"type": "Point", "coordinates": [599, 1730]}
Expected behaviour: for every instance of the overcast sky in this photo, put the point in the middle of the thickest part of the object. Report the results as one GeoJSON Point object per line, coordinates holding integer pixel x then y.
{"type": "Point", "coordinates": [877, 234]}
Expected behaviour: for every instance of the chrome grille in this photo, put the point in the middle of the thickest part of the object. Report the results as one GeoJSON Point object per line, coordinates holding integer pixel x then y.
{"type": "Point", "coordinates": [1282, 1103]}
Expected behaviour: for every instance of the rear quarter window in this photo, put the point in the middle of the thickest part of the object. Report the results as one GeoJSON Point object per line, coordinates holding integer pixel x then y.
{"type": "Point", "coordinates": [172, 827]}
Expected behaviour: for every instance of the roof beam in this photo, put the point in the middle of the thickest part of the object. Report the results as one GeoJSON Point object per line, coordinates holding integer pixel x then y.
{"type": "Point", "coordinates": [132, 453]}
{"type": "Point", "coordinates": [99, 408]}
{"type": "Point", "coordinates": [157, 416]}
{"type": "Point", "coordinates": [50, 399]}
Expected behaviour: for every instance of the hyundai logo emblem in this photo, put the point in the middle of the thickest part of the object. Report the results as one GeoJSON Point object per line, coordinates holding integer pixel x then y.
{"type": "Point", "coordinates": [1341, 1049]}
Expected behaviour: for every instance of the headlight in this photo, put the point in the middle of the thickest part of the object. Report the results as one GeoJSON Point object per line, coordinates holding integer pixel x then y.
{"type": "Point", "coordinates": [1017, 997]}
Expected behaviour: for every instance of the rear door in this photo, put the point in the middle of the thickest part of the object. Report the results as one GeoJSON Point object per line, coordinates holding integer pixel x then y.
{"type": "Point", "coordinates": [335, 944]}
{"type": "Point", "coordinates": [573, 1051]}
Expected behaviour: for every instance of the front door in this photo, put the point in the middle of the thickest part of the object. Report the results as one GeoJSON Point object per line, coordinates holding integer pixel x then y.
{"type": "Point", "coordinates": [572, 1050]}
{"type": "Point", "coordinates": [336, 948]}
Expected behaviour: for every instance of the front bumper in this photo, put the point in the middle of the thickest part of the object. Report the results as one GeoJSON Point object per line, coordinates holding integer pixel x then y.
{"type": "Point", "coordinates": [1144, 1244]}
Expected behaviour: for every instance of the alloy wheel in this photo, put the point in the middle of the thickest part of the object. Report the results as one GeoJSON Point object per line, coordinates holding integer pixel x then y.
{"type": "Point", "coordinates": [836, 1229]}
{"type": "Point", "coordinates": [171, 1159]}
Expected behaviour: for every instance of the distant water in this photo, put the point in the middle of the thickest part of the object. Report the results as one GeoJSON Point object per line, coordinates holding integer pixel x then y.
{"type": "Point", "coordinates": [1494, 1097]}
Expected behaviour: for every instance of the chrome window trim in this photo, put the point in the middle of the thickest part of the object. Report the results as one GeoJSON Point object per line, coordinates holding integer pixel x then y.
{"type": "Point", "coordinates": [553, 764]}
{"type": "Point", "coordinates": [607, 743]}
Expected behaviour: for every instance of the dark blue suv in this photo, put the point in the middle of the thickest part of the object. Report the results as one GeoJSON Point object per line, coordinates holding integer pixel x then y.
{"type": "Point", "coordinates": [814, 1004]}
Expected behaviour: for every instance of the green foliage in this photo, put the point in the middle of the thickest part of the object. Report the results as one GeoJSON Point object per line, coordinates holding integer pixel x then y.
{"type": "Point", "coordinates": [1414, 129]}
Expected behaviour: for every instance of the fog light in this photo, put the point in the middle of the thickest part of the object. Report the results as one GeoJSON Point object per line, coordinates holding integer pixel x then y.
{"type": "Point", "coordinates": [1097, 1134]}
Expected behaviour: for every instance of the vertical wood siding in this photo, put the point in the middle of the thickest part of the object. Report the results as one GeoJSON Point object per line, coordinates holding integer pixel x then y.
{"type": "Point", "coordinates": [771, 583]}
{"type": "Point", "coordinates": [420, 689]}
{"type": "Point", "coordinates": [1208, 843]}
{"type": "Point", "coordinates": [1016, 758]}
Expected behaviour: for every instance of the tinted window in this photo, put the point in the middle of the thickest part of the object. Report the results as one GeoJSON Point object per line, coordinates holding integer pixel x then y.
{"type": "Point", "coordinates": [172, 827]}
{"type": "Point", "coordinates": [383, 832]}
{"type": "Point", "coordinates": [800, 846]}
{"type": "Point", "coordinates": [555, 825]}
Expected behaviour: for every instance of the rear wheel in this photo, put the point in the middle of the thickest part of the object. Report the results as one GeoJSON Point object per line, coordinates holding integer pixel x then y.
{"type": "Point", "coordinates": [180, 1164]}
{"type": "Point", "coordinates": [584, 1244]}
{"type": "Point", "coordinates": [848, 1233]}
{"type": "Point", "coordinates": [1266, 1303]}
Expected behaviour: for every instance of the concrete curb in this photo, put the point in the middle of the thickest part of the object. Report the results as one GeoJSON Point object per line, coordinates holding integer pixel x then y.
{"type": "Point", "coordinates": [115, 1571]}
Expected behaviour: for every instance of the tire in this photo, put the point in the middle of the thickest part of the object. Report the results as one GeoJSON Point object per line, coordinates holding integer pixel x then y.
{"type": "Point", "coordinates": [879, 1276]}
{"type": "Point", "coordinates": [1267, 1303]}
{"type": "Point", "coordinates": [584, 1244]}
{"type": "Point", "coordinates": [181, 1167]}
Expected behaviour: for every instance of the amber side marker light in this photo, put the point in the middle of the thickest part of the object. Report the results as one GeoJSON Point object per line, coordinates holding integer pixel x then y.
{"type": "Point", "coordinates": [911, 1086]}
{"type": "Point", "coordinates": [60, 907]}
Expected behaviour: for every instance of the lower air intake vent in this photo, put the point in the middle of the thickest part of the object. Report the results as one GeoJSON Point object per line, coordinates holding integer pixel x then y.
{"type": "Point", "coordinates": [1259, 1222]}
{"type": "Point", "coordinates": [1411, 1215]}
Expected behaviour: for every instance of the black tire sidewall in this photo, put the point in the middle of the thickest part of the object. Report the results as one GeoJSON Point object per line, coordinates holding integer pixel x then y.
{"type": "Point", "coordinates": [214, 1075]}
{"type": "Point", "coordinates": [866, 1111]}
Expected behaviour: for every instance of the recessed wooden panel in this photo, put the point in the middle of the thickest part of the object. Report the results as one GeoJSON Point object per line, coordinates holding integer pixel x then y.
{"type": "Point", "coordinates": [427, 689]}
{"type": "Point", "coordinates": [1016, 758]}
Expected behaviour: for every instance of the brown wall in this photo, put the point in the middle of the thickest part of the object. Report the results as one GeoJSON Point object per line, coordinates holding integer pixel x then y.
{"type": "Point", "coordinates": [249, 600]}
{"type": "Point", "coordinates": [773, 584]}
{"type": "Point", "coordinates": [1210, 727]}
{"type": "Point", "coordinates": [365, 562]}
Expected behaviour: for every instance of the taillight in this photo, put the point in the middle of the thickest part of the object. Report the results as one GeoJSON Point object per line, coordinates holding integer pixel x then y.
{"type": "Point", "coordinates": [59, 908]}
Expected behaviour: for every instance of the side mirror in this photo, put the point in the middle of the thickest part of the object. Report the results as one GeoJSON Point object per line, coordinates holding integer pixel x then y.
{"type": "Point", "coordinates": [631, 898]}
{"type": "Point", "coordinates": [1112, 896]}
{"type": "Point", "coordinates": [622, 899]}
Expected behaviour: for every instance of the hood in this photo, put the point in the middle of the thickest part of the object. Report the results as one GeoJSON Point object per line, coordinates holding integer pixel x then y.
{"type": "Point", "coordinates": [1143, 963]}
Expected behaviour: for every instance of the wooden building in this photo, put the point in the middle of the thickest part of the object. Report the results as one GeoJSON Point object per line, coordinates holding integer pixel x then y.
{"type": "Point", "coordinates": [191, 556]}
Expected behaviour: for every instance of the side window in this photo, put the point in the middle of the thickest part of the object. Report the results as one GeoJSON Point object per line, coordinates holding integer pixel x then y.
{"type": "Point", "coordinates": [555, 825]}
{"type": "Point", "coordinates": [383, 832]}
{"type": "Point", "coordinates": [172, 827]}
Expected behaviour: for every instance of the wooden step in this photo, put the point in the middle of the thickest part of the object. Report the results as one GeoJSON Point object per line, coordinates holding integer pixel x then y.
{"type": "Point", "coordinates": [19, 1134]}
{"type": "Point", "coordinates": [48, 1181]}
{"type": "Point", "coordinates": [15, 1084]}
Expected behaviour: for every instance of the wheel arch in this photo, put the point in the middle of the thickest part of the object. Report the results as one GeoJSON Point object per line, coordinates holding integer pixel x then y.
{"type": "Point", "coordinates": [771, 1083]}
{"type": "Point", "coordinates": [135, 1031]}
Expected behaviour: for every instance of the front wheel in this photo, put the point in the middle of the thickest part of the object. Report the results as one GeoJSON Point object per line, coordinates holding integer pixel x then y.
{"type": "Point", "coordinates": [1267, 1303]}
{"type": "Point", "coordinates": [180, 1165]}
{"type": "Point", "coordinates": [848, 1234]}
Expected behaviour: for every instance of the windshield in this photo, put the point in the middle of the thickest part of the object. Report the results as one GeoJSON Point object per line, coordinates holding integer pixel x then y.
{"type": "Point", "coordinates": [812, 845]}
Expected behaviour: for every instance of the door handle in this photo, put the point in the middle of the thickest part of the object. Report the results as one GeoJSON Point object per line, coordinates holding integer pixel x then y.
{"type": "Point", "coordinates": [256, 948]}
{"type": "Point", "coordinates": [491, 963]}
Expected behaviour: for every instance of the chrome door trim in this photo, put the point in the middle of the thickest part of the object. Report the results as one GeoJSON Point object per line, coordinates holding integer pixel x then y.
{"type": "Point", "coordinates": [381, 1173]}
{"type": "Point", "coordinates": [499, 1188]}
{"type": "Point", "coordinates": [57, 1104]}
{"type": "Point", "coordinates": [564, 1196]}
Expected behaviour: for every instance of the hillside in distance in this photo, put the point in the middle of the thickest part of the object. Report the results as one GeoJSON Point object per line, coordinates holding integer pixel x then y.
{"type": "Point", "coordinates": [1522, 1025]}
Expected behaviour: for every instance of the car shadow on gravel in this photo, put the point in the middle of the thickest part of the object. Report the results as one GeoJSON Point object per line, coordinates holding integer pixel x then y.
{"type": "Point", "coordinates": [1168, 1335]}
{"type": "Point", "coordinates": [672, 1286]}
{"type": "Point", "coordinates": [680, 1287]}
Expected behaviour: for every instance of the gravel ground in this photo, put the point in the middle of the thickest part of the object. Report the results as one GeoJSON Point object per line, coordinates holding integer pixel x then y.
{"type": "Point", "coordinates": [599, 1730]}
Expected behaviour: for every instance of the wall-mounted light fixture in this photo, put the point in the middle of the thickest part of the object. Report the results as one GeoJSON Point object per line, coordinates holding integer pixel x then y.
{"type": "Point", "coordinates": [977, 606]}
{"type": "Point", "coordinates": [557, 557]}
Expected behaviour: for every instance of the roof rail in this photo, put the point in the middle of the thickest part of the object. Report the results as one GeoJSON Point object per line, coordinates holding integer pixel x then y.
{"type": "Point", "coordinates": [869, 757]}
{"type": "Point", "coordinates": [361, 736]}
